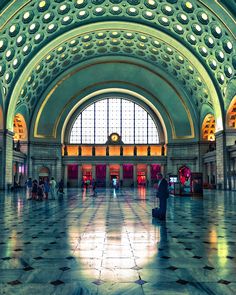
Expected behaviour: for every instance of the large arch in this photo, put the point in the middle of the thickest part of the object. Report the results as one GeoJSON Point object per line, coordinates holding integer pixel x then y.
{"type": "Point", "coordinates": [176, 56]}
{"type": "Point", "coordinates": [33, 64]}
{"type": "Point", "coordinates": [92, 85]}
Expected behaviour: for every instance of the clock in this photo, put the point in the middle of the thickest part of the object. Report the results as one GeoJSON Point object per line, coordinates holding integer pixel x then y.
{"type": "Point", "coordinates": [114, 137]}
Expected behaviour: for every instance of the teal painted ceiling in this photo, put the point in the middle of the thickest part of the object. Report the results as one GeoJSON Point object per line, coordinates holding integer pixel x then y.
{"type": "Point", "coordinates": [204, 28]}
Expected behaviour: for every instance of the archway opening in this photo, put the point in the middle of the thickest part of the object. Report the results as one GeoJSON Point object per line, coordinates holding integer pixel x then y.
{"type": "Point", "coordinates": [208, 128]}
{"type": "Point", "coordinates": [231, 114]}
{"type": "Point", "coordinates": [20, 128]}
{"type": "Point", "coordinates": [1, 118]}
{"type": "Point", "coordinates": [44, 173]}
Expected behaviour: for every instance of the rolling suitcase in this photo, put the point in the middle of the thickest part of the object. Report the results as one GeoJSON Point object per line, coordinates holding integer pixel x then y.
{"type": "Point", "coordinates": [155, 209]}
{"type": "Point", "coordinates": [155, 212]}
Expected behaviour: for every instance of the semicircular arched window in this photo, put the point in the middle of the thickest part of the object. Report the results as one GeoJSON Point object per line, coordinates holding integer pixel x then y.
{"type": "Point", "coordinates": [114, 115]}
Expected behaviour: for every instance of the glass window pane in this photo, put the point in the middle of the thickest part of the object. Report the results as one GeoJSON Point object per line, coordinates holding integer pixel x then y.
{"type": "Point", "coordinates": [140, 125]}
{"type": "Point", "coordinates": [153, 136]}
{"type": "Point", "coordinates": [127, 122]}
{"type": "Point", "coordinates": [88, 125]}
{"type": "Point", "coordinates": [75, 136]}
{"type": "Point", "coordinates": [114, 115]}
{"type": "Point", "coordinates": [134, 123]}
{"type": "Point", "coordinates": [101, 121]}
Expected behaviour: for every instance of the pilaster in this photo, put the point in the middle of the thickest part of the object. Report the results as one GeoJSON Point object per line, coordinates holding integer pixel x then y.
{"type": "Point", "coordinates": [221, 161]}
{"type": "Point", "coordinates": [6, 173]}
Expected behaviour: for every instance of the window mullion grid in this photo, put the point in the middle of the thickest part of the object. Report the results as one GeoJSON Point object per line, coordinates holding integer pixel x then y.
{"type": "Point", "coordinates": [121, 117]}
{"type": "Point", "coordinates": [134, 121]}
{"type": "Point", "coordinates": [81, 135]}
{"type": "Point", "coordinates": [107, 117]}
{"type": "Point", "coordinates": [149, 127]}
{"type": "Point", "coordinates": [94, 119]}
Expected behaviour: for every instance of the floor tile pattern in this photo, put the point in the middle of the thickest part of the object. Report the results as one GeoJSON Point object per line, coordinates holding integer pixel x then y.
{"type": "Point", "coordinates": [110, 244]}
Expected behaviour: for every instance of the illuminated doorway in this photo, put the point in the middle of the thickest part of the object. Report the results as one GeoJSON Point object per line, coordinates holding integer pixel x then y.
{"type": "Point", "coordinates": [115, 173]}
{"type": "Point", "coordinates": [141, 174]}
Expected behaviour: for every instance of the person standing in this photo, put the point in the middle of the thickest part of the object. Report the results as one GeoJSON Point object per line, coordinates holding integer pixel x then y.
{"type": "Point", "coordinates": [163, 195]}
{"type": "Point", "coordinates": [46, 188]}
{"type": "Point", "coordinates": [34, 189]}
{"type": "Point", "coordinates": [60, 191]}
{"type": "Point", "coordinates": [29, 185]}
{"type": "Point", "coordinates": [40, 190]}
{"type": "Point", "coordinates": [94, 185]}
{"type": "Point", "coordinates": [53, 185]}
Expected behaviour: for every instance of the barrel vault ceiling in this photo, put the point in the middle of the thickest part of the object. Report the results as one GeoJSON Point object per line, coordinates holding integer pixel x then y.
{"type": "Point", "coordinates": [87, 30]}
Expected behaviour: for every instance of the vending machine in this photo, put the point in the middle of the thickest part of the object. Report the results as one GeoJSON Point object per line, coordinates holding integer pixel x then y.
{"type": "Point", "coordinates": [173, 179]}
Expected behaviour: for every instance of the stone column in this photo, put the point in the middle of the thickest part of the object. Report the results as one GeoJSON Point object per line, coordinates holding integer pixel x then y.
{"type": "Point", "coordinates": [65, 172]}
{"type": "Point", "coordinates": [7, 159]}
{"type": "Point", "coordinates": [107, 175]}
{"type": "Point", "coordinates": [135, 175]}
{"type": "Point", "coordinates": [162, 170]}
{"type": "Point", "coordinates": [205, 172]}
{"type": "Point", "coordinates": [209, 172]}
{"type": "Point", "coordinates": [17, 172]}
{"type": "Point", "coordinates": [121, 174]}
{"type": "Point", "coordinates": [148, 175]}
{"type": "Point", "coordinates": [221, 161]}
{"type": "Point", "coordinates": [94, 171]}
{"type": "Point", "coordinates": [79, 175]}
{"type": "Point", "coordinates": [234, 176]}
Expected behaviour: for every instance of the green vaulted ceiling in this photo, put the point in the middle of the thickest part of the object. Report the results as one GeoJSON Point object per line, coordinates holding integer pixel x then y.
{"type": "Point", "coordinates": [191, 44]}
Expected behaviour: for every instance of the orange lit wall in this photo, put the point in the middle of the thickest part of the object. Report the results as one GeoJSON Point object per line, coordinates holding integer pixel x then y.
{"type": "Point", "coordinates": [128, 150]}
{"type": "Point", "coordinates": [100, 151]}
{"type": "Point", "coordinates": [155, 150]}
{"type": "Point", "coordinates": [142, 150]}
{"type": "Point", "coordinates": [86, 151]}
{"type": "Point", "coordinates": [114, 150]}
{"type": "Point", "coordinates": [72, 150]}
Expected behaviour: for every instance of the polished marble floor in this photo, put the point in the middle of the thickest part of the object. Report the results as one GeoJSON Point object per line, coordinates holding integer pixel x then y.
{"type": "Point", "coordinates": [109, 244]}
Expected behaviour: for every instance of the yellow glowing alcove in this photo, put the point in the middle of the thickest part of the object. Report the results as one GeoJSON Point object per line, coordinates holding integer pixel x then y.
{"type": "Point", "coordinates": [19, 128]}
{"type": "Point", "coordinates": [208, 128]}
{"type": "Point", "coordinates": [231, 114]}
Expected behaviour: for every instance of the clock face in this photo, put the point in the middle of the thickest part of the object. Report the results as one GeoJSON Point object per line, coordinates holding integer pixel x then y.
{"type": "Point", "coordinates": [114, 137]}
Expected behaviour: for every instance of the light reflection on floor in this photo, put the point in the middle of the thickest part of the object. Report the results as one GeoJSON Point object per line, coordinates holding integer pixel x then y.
{"type": "Point", "coordinates": [109, 244]}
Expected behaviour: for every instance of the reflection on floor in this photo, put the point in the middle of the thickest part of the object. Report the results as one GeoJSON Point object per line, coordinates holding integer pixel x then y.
{"type": "Point", "coordinates": [109, 244]}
